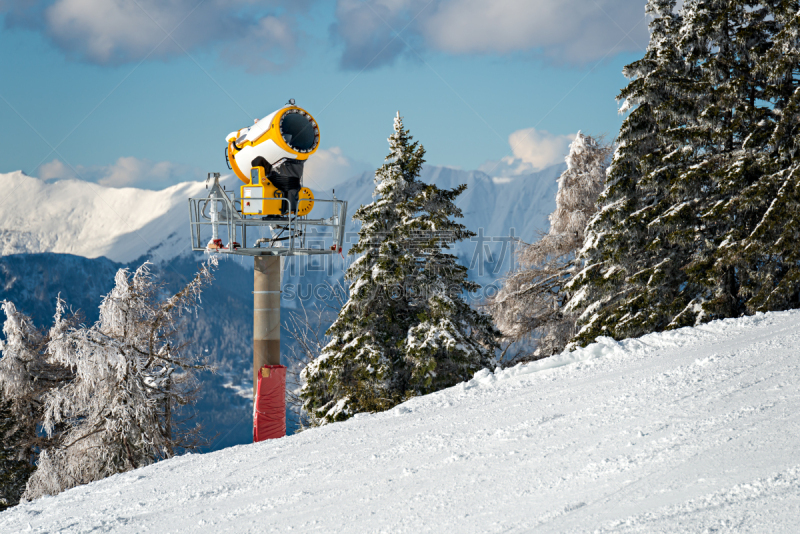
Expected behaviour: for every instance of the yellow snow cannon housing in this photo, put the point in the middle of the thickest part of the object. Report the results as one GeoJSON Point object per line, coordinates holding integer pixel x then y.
{"type": "Point", "coordinates": [285, 138]}
{"type": "Point", "coordinates": [257, 196]}
{"type": "Point", "coordinates": [288, 133]}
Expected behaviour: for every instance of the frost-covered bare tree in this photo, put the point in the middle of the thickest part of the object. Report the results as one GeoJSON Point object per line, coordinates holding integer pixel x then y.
{"type": "Point", "coordinates": [27, 374]}
{"type": "Point", "coordinates": [14, 471]}
{"type": "Point", "coordinates": [131, 374]}
{"type": "Point", "coordinates": [529, 305]}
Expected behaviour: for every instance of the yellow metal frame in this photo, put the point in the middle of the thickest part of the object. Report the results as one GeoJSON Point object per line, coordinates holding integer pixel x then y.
{"type": "Point", "coordinates": [269, 191]}
{"type": "Point", "coordinates": [304, 208]}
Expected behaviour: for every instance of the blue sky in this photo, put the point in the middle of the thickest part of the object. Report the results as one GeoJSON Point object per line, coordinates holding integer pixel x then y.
{"type": "Point", "coordinates": [142, 92]}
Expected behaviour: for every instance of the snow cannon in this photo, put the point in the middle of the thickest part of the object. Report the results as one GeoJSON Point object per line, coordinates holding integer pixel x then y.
{"type": "Point", "coordinates": [269, 158]}
{"type": "Point", "coordinates": [269, 222]}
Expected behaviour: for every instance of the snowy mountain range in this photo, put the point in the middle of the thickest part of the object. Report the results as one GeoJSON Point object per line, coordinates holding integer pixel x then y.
{"type": "Point", "coordinates": [90, 220]}
{"type": "Point", "coordinates": [692, 430]}
{"type": "Point", "coordinates": [70, 236]}
{"type": "Point", "coordinates": [125, 224]}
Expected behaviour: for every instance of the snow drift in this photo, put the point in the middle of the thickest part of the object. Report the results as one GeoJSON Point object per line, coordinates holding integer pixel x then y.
{"type": "Point", "coordinates": [694, 430]}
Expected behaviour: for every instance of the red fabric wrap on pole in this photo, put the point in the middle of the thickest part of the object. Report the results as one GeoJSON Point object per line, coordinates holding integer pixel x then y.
{"type": "Point", "coordinates": [269, 408]}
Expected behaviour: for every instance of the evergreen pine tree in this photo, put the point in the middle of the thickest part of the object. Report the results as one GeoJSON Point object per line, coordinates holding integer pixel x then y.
{"type": "Point", "coordinates": [722, 41]}
{"type": "Point", "coordinates": [677, 256]}
{"type": "Point", "coordinates": [449, 340]}
{"type": "Point", "coordinates": [15, 466]}
{"type": "Point", "coordinates": [761, 248]}
{"type": "Point", "coordinates": [630, 276]}
{"type": "Point", "coordinates": [405, 330]}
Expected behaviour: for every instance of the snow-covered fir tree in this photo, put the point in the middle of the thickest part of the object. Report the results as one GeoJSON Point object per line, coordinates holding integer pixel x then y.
{"type": "Point", "coordinates": [405, 329]}
{"type": "Point", "coordinates": [530, 303]}
{"type": "Point", "coordinates": [722, 42]}
{"type": "Point", "coordinates": [670, 249]}
{"type": "Point", "coordinates": [629, 274]}
{"type": "Point", "coordinates": [131, 376]}
{"type": "Point", "coordinates": [14, 469]}
{"type": "Point", "coordinates": [760, 247]}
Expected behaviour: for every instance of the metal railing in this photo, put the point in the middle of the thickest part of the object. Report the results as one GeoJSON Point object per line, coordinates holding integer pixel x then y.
{"type": "Point", "coordinates": [288, 235]}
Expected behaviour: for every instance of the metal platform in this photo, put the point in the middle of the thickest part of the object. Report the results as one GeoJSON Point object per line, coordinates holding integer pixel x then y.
{"type": "Point", "coordinates": [287, 236]}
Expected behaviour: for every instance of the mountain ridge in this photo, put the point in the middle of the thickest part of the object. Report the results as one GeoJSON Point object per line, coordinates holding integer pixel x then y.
{"type": "Point", "coordinates": [125, 224]}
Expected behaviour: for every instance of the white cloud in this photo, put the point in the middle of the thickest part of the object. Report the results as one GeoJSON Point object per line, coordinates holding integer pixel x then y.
{"type": "Point", "coordinates": [122, 31]}
{"type": "Point", "coordinates": [125, 172]}
{"type": "Point", "coordinates": [55, 170]}
{"type": "Point", "coordinates": [266, 35]}
{"type": "Point", "coordinates": [330, 167]}
{"type": "Point", "coordinates": [539, 148]}
{"type": "Point", "coordinates": [109, 31]}
{"type": "Point", "coordinates": [367, 30]}
{"type": "Point", "coordinates": [532, 151]}
{"type": "Point", "coordinates": [268, 46]}
{"type": "Point", "coordinates": [572, 31]}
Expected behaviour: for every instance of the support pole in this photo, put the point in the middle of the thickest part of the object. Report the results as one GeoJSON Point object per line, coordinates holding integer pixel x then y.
{"type": "Point", "coordinates": [266, 314]}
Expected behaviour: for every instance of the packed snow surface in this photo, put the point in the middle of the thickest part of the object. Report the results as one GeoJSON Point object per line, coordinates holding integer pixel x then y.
{"type": "Point", "coordinates": [694, 430]}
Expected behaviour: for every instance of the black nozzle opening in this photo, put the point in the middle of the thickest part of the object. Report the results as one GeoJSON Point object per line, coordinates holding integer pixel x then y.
{"type": "Point", "coordinates": [299, 131]}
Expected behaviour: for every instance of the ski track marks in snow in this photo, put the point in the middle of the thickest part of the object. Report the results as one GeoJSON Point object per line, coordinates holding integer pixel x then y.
{"type": "Point", "coordinates": [693, 430]}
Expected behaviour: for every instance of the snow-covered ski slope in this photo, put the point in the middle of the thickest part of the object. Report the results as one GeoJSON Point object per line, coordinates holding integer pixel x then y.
{"type": "Point", "coordinates": [695, 430]}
